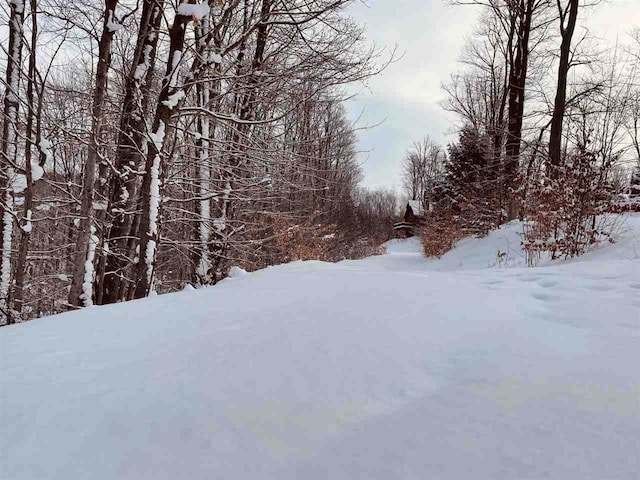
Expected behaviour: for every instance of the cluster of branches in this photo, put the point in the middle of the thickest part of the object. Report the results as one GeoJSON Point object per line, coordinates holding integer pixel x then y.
{"type": "Point", "coordinates": [150, 144]}
{"type": "Point", "coordinates": [423, 170]}
{"type": "Point", "coordinates": [517, 144]}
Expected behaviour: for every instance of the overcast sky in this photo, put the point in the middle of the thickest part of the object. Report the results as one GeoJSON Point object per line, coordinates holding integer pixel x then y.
{"type": "Point", "coordinates": [429, 34]}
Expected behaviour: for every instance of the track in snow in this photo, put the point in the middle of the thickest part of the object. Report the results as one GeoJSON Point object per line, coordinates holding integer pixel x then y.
{"type": "Point", "coordinates": [392, 367]}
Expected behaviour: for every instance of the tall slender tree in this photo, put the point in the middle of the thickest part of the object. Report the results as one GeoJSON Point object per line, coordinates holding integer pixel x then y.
{"type": "Point", "coordinates": [9, 150]}
{"type": "Point", "coordinates": [170, 96]}
{"type": "Point", "coordinates": [568, 15]}
{"type": "Point", "coordinates": [81, 291]}
{"type": "Point", "coordinates": [129, 157]}
{"type": "Point", "coordinates": [29, 167]}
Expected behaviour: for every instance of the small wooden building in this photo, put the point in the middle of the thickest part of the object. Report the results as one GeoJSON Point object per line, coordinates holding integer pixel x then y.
{"type": "Point", "coordinates": [413, 218]}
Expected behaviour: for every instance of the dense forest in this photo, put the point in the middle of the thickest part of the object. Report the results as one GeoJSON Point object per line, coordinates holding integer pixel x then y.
{"type": "Point", "coordinates": [151, 144]}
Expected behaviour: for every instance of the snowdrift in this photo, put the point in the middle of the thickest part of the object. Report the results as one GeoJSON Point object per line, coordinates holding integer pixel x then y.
{"type": "Point", "coordinates": [391, 367]}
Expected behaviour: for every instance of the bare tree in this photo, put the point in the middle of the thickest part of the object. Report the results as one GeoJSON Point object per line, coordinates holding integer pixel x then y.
{"type": "Point", "coordinates": [129, 158]}
{"type": "Point", "coordinates": [522, 13]}
{"type": "Point", "coordinates": [32, 171]}
{"type": "Point", "coordinates": [422, 169]}
{"type": "Point", "coordinates": [87, 242]}
{"type": "Point", "coordinates": [633, 124]}
{"type": "Point", "coordinates": [568, 15]}
{"type": "Point", "coordinates": [10, 149]}
{"type": "Point", "coordinates": [156, 179]}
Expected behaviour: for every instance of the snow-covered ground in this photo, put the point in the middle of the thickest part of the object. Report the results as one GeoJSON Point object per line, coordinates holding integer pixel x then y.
{"type": "Point", "coordinates": [392, 367]}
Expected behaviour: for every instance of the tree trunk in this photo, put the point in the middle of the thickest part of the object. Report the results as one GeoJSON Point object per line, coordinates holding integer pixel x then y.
{"type": "Point", "coordinates": [517, 85]}
{"type": "Point", "coordinates": [25, 231]}
{"type": "Point", "coordinates": [170, 96]}
{"type": "Point", "coordinates": [498, 127]}
{"type": "Point", "coordinates": [129, 157]}
{"type": "Point", "coordinates": [9, 152]}
{"type": "Point", "coordinates": [245, 108]}
{"type": "Point", "coordinates": [203, 264]}
{"type": "Point", "coordinates": [555, 137]}
{"type": "Point", "coordinates": [82, 284]}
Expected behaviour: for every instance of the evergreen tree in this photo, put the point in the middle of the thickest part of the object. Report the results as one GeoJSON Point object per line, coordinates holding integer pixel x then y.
{"type": "Point", "coordinates": [468, 160]}
{"type": "Point", "coordinates": [472, 182]}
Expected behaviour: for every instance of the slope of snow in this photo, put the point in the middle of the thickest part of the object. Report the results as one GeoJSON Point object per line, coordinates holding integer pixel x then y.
{"type": "Point", "coordinates": [392, 367]}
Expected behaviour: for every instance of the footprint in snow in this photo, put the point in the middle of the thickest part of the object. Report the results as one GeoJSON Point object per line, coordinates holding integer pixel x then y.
{"type": "Point", "coordinates": [601, 277]}
{"type": "Point", "coordinates": [601, 287]}
{"type": "Point", "coordinates": [544, 297]}
{"type": "Point", "coordinates": [529, 279]}
{"type": "Point", "coordinates": [632, 326]}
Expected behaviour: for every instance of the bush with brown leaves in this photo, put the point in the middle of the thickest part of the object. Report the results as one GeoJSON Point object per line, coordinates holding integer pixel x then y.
{"type": "Point", "coordinates": [567, 210]}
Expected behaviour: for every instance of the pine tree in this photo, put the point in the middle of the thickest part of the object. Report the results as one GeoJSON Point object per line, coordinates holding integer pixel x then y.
{"type": "Point", "coordinates": [472, 182]}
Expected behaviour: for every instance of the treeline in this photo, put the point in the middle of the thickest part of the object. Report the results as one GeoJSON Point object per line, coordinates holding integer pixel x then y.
{"type": "Point", "coordinates": [150, 144]}
{"type": "Point", "coordinates": [548, 132]}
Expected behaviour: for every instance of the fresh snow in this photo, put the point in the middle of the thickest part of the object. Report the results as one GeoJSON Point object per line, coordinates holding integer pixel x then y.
{"type": "Point", "coordinates": [154, 203]}
{"type": "Point", "coordinates": [18, 183]}
{"type": "Point", "coordinates": [175, 71]}
{"type": "Point", "coordinates": [45, 148]}
{"type": "Point", "coordinates": [88, 278]}
{"type": "Point", "coordinates": [195, 10]}
{"type": "Point", "coordinates": [391, 367]}
{"type": "Point", "coordinates": [28, 226]}
{"type": "Point", "coordinates": [7, 237]}
{"type": "Point", "coordinates": [19, 5]}
{"type": "Point", "coordinates": [99, 204]}
{"type": "Point", "coordinates": [416, 207]}
{"type": "Point", "coordinates": [112, 24]}
{"type": "Point", "coordinates": [141, 68]}
{"type": "Point", "coordinates": [204, 180]}
{"type": "Point", "coordinates": [37, 172]}
{"type": "Point", "coordinates": [173, 99]}
{"type": "Point", "coordinates": [19, 180]}
{"type": "Point", "coordinates": [157, 136]}
{"type": "Point", "coordinates": [235, 272]}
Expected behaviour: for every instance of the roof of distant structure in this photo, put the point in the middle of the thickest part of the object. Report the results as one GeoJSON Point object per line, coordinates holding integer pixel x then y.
{"type": "Point", "coordinates": [416, 207]}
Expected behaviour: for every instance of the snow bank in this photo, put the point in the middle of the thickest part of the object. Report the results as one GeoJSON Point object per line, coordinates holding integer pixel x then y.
{"type": "Point", "coordinates": [383, 368]}
{"type": "Point", "coordinates": [195, 10]}
{"type": "Point", "coordinates": [472, 253]}
{"type": "Point", "coordinates": [235, 272]}
{"type": "Point", "coordinates": [502, 248]}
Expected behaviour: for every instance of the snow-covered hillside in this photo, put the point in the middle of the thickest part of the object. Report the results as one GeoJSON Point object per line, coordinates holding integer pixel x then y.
{"type": "Point", "coordinates": [392, 367]}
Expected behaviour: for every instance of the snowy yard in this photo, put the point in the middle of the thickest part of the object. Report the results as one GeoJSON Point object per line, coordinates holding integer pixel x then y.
{"type": "Point", "coordinates": [392, 367]}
